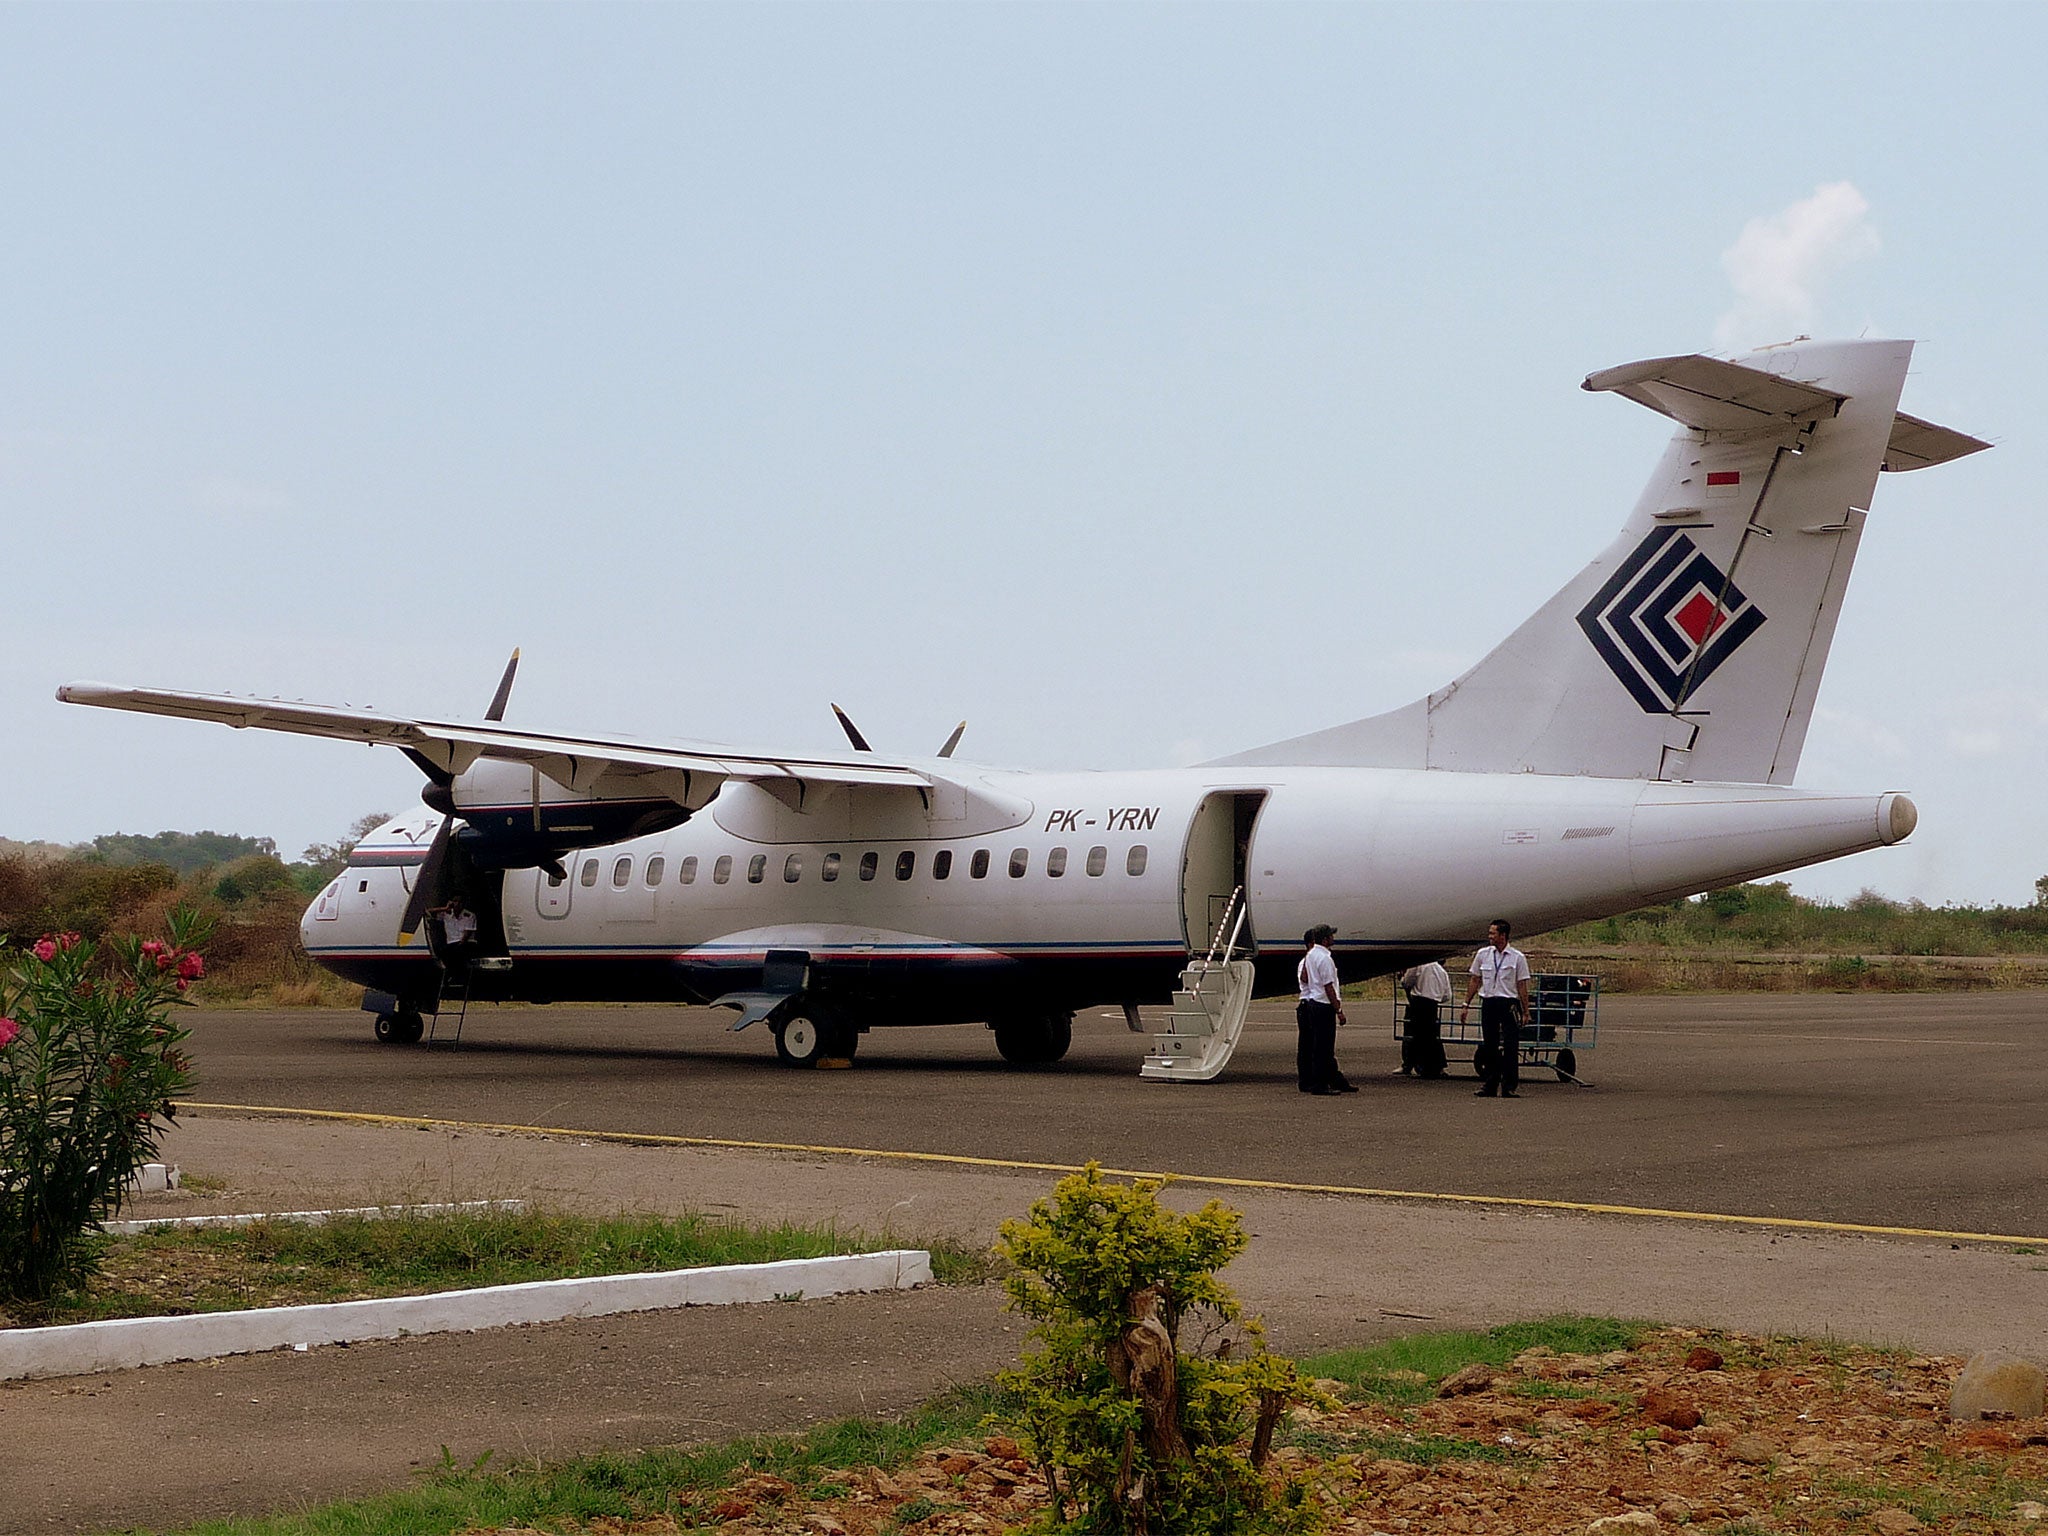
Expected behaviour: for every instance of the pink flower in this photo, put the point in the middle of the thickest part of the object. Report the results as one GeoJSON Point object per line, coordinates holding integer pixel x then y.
{"type": "Point", "coordinates": [8, 1030]}
{"type": "Point", "coordinates": [152, 947]}
{"type": "Point", "coordinates": [45, 950]}
{"type": "Point", "coordinates": [191, 966]}
{"type": "Point", "coordinates": [67, 940]}
{"type": "Point", "coordinates": [183, 983]}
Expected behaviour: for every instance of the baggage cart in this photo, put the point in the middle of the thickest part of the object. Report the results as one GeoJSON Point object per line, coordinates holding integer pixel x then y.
{"type": "Point", "coordinates": [1564, 1019]}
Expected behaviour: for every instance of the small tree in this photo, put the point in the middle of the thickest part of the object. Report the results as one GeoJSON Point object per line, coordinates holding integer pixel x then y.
{"type": "Point", "coordinates": [89, 1063]}
{"type": "Point", "coordinates": [1146, 1437]}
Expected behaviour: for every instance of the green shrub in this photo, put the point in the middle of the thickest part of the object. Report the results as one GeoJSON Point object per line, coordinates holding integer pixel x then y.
{"type": "Point", "coordinates": [89, 1061]}
{"type": "Point", "coordinates": [1142, 1436]}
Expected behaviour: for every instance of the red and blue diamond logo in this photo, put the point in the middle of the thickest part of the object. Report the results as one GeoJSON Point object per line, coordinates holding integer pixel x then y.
{"type": "Point", "coordinates": [1667, 619]}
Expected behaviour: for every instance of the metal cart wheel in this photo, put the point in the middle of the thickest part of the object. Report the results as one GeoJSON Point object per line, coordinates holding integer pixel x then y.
{"type": "Point", "coordinates": [1566, 1065]}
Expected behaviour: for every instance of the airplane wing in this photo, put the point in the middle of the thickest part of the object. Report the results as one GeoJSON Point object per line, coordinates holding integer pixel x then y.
{"type": "Point", "coordinates": [685, 773]}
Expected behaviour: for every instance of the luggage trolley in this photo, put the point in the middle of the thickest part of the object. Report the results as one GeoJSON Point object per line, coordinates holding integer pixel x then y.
{"type": "Point", "coordinates": [1564, 1019]}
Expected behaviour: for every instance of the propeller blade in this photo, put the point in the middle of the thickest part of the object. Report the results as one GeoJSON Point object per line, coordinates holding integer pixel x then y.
{"type": "Point", "coordinates": [497, 709]}
{"type": "Point", "coordinates": [426, 883]}
{"type": "Point", "coordinates": [953, 740]}
{"type": "Point", "coordinates": [860, 742]}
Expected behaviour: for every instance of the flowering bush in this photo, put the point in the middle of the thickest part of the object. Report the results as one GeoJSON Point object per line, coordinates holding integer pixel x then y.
{"type": "Point", "coordinates": [89, 1064]}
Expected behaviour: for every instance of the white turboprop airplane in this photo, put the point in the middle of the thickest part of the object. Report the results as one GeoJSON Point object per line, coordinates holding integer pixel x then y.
{"type": "Point", "coordinates": [1633, 741]}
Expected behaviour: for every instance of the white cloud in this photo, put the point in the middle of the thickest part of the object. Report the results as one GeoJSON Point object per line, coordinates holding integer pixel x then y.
{"type": "Point", "coordinates": [1978, 743]}
{"type": "Point", "coordinates": [1777, 264]}
{"type": "Point", "coordinates": [1859, 733]}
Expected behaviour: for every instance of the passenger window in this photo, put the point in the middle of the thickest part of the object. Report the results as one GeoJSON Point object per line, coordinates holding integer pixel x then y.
{"type": "Point", "coordinates": [1056, 863]}
{"type": "Point", "coordinates": [1020, 860]}
{"type": "Point", "coordinates": [1135, 863]}
{"type": "Point", "coordinates": [688, 870]}
{"type": "Point", "coordinates": [555, 881]}
{"type": "Point", "coordinates": [622, 871]}
{"type": "Point", "coordinates": [757, 868]}
{"type": "Point", "coordinates": [656, 866]}
{"type": "Point", "coordinates": [869, 863]}
{"type": "Point", "coordinates": [831, 869]}
{"type": "Point", "coordinates": [722, 870]}
{"type": "Point", "coordinates": [978, 865]}
{"type": "Point", "coordinates": [1098, 859]}
{"type": "Point", "coordinates": [942, 863]}
{"type": "Point", "coordinates": [589, 875]}
{"type": "Point", "coordinates": [793, 868]}
{"type": "Point", "coordinates": [906, 864]}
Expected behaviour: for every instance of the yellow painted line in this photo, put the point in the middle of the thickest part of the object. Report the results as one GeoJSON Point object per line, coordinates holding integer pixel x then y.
{"type": "Point", "coordinates": [1205, 1180]}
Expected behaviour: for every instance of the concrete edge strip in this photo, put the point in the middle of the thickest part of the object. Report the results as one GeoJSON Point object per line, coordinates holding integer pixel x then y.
{"type": "Point", "coordinates": [1203, 1180]}
{"type": "Point", "coordinates": [83, 1348]}
{"type": "Point", "coordinates": [305, 1218]}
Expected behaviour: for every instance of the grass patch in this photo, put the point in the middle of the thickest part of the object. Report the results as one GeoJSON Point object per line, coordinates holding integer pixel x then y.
{"type": "Point", "coordinates": [1959, 1490]}
{"type": "Point", "coordinates": [1421, 1450]}
{"type": "Point", "coordinates": [1405, 1371]}
{"type": "Point", "coordinates": [284, 1263]}
{"type": "Point", "coordinates": [640, 1486]}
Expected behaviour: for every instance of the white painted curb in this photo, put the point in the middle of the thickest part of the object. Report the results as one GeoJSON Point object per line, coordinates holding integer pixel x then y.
{"type": "Point", "coordinates": [304, 1218]}
{"type": "Point", "coordinates": [81, 1348]}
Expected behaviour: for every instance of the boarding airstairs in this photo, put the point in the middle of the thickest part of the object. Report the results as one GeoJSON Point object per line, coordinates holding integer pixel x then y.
{"type": "Point", "coordinates": [1209, 1008]}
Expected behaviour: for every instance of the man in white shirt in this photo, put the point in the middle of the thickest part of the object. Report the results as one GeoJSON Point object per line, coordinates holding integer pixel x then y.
{"type": "Point", "coordinates": [1428, 988]}
{"type": "Point", "coordinates": [458, 931]}
{"type": "Point", "coordinates": [1317, 1015]}
{"type": "Point", "coordinates": [1500, 978]}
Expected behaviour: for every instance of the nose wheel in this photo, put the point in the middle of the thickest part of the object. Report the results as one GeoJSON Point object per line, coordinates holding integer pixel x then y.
{"type": "Point", "coordinates": [403, 1028]}
{"type": "Point", "coordinates": [804, 1041]}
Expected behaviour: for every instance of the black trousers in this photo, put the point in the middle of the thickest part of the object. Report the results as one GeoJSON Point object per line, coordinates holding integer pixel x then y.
{"type": "Point", "coordinates": [1315, 1046]}
{"type": "Point", "coordinates": [1500, 1035]}
{"type": "Point", "coordinates": [1422, 1045]}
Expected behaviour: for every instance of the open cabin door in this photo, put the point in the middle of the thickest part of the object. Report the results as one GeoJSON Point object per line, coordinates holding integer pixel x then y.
{"type": "Point", "coordinates": [1216, 863]}
{"type": "Point", "coordinates": [1215, 991]}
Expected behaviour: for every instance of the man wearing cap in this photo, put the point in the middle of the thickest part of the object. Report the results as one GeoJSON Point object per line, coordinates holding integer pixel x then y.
{"type": "Point", "coordinates": [1317, 1016]}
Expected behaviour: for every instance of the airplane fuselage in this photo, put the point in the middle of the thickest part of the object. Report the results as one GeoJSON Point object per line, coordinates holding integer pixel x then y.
{"type": "Point", "coordinates": [1065, 890]}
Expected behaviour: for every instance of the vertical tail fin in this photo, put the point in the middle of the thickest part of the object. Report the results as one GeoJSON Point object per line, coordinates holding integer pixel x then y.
{"type": "Point", "coordinates": [1692, 648]}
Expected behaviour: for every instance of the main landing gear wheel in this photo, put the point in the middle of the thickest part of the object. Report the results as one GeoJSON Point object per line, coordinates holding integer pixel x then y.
{"type": "Point", "coordinates": [1034, 1040]}
{"type": "Point", "coordinates": [399, 1028]}
{"type": "Point", "coordinates": [802, 1041]}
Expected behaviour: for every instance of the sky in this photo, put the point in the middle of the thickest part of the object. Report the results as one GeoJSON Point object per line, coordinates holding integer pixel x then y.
{"type": "Point", "coordinates": [1140, 383]}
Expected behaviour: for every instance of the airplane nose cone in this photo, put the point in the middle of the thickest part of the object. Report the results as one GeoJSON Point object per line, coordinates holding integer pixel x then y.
{"type": "Point", "coordinates": [1897, 816]}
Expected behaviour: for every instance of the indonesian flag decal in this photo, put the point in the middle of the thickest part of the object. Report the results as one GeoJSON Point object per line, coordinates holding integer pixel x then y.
{"type": "Point", "coordinates": [1666, 619]}
{"type": "Point", "coordinates": [1724, 482]}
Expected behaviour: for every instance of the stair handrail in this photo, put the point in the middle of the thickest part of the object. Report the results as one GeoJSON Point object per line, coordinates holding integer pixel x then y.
{"type": "Point", "coordinates": [1235, 907]}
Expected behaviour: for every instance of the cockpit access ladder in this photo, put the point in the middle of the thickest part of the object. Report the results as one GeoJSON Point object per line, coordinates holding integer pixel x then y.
{"type": "Point", "coordinates": [460, 981]}
{"type": "Point", "coordinates": [1209, 1008]}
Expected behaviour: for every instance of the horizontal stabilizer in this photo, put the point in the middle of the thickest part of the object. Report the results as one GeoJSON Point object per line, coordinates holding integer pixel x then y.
{"type": "Point", "coordinates": [1711, 395]}
{"type": "Point", "coordinates": [1915, 444]}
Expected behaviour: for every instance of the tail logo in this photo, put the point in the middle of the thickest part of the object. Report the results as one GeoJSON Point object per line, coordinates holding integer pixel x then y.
{"type": "Point", "coordinates": [1667, 619]}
